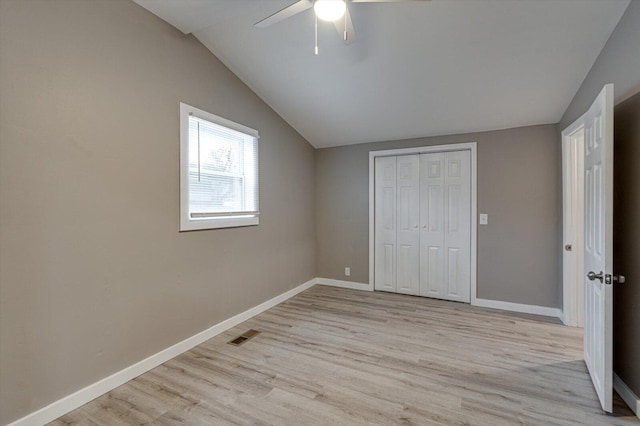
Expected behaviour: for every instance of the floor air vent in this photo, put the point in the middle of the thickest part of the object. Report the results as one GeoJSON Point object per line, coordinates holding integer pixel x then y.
{"type": "Point", "coordinates": [244, 337]}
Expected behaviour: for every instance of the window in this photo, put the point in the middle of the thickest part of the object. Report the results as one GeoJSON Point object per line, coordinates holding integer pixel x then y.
{"type": "Point", "coordinates": [218, 172]}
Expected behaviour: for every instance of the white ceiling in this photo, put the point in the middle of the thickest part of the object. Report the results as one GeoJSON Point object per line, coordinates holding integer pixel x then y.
{"type": "Point", "coordinates": [416, 68]}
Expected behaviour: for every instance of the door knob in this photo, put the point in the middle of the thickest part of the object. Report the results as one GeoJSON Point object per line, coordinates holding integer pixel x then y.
{"type": "Point", "coordinates": [593, 276]}
{"type": "Point", "coordinates": [415, 226]}
{"type": "Point", "coordinates": [568, 247]}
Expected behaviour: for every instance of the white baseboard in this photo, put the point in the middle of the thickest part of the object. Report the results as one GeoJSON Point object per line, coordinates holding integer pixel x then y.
{"type": "Point", "coordinates": [485, 303]}
{"type": "Point", "coordinates": [81, 397]}
{"type": "Point", "coordinates": [518, 307]}
{"type": "Point", "coordinates": [563, 318]}
{"type": "Point", "coordinates": [627, 395]}
{"type": "Point", "coordinates": [344, 284]}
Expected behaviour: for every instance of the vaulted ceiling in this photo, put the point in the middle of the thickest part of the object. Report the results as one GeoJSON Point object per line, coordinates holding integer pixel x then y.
{"type": "Point", "coordinates": [416, 68]}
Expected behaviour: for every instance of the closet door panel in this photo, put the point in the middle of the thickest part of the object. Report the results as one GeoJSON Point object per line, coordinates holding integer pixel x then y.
{"type": "Point", "coordinates": [385, 224]}
{"type": "Point", "coordinates": [408, 234]}
{"type": "Point", "coordinates": [432, 209]}
{"type": "Point", "coordinates": [457, 238]}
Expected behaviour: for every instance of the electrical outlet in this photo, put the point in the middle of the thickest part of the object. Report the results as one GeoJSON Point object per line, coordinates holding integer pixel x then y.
{"type": "Point", "coordinates": [347, 271]}
{"type": "Point", "coordinates": [484, 219]}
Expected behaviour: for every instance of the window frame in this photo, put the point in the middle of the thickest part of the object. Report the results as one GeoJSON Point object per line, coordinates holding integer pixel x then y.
{"type": "Point", "coordinates": [187, 223]}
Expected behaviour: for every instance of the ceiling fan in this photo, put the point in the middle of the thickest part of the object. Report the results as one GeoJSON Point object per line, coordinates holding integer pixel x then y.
{"type": "Point", "coordinates": [336, 11]}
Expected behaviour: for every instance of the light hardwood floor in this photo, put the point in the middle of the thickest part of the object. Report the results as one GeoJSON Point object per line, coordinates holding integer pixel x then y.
{"type": "Point", "coordinates": [334, 356]}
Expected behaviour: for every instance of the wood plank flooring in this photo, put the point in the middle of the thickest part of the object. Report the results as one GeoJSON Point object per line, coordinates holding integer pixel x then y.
{"type": "Point", "coordinates": [333, 356]}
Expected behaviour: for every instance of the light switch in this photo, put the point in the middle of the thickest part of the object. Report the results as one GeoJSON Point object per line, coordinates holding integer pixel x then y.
{"type": "Point", "coordinates": [484, 219]}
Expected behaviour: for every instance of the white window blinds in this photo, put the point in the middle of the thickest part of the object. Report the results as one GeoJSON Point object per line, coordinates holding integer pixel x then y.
{"type": "Point", "coordinates": [218, 172]}
{"type": "Point", "coordinates": [223, 171]}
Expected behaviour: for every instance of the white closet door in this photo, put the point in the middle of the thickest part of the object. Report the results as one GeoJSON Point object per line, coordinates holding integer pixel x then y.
{"type": "Point", "coordinates": [385, 224]}
{"type": "Point", "coordinates": [432, 209]}
{"type": "Point", "coordinates": [408, 233]}
{"type": "Point", "coordinates": [457, 224]}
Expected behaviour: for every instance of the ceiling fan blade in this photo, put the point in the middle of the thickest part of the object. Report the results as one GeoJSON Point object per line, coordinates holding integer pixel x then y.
{"type": "Point", "coordinates": [350, 35]}
{"type": "Point", "coordinates": [383, 1]}
{"type": "Point", "coordinates": [287, 12]}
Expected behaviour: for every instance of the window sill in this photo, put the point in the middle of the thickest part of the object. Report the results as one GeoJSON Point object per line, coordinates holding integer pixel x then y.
{"type": "Point", "coordinates": [219, 222]}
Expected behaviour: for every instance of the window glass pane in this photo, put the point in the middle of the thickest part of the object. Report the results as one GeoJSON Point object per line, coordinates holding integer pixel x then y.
{"type": "Point", "coordinates": [215, 193]}
{"type": "Point", "coordinates": [222, 169]}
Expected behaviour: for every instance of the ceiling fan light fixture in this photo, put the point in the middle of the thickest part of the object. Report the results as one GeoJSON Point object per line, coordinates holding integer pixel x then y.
{"type": "Point", "coordinates": [329, 10]}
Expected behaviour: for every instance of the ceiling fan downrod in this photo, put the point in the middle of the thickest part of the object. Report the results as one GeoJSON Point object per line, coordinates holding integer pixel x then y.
{"type": "Point", "coordinates": [316, 35]}
{"type": "Point", "coordinates": [345, 19]}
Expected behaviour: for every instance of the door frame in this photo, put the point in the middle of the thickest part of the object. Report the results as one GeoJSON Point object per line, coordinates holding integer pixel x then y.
{"type": "Point", "coordinates": [573, 223]}
{"type": "Point", "coordinates": [470, 146]}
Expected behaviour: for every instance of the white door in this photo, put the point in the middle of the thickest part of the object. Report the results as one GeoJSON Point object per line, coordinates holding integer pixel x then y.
{"type": "Point", "coordinates": [598, 244]}
{"type": "Point", "coordinates": [573, 224]}
{"type": "Point", "coordinates": [432, 188]}
{"type": "Point", "coordinates": [457, 226]}
{"type": "Point", "coordinates": [423, 225]}
{"type": "Point", "coordinates": [445, 232]}
{"type": "Point", "coordinates": [385, 224]}
{"type": "Point", "coordinates": [408, 233]}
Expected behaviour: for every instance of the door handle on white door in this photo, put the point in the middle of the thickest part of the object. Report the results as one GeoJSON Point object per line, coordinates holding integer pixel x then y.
{"type": "Point", "coordinates": [415, 226]}
{"type": "Point", "coordinates": [593, 276]}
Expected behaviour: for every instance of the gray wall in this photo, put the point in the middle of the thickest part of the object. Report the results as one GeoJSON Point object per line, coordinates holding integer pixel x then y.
{"type": "Point", "coordinates": [519, 186]}
{"type": "Point", "coordinates": [626, 241]}
{"type": "Point", "coordinates": [95, 275]}
{"type": "Point", "coordinates": [618, 63]}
